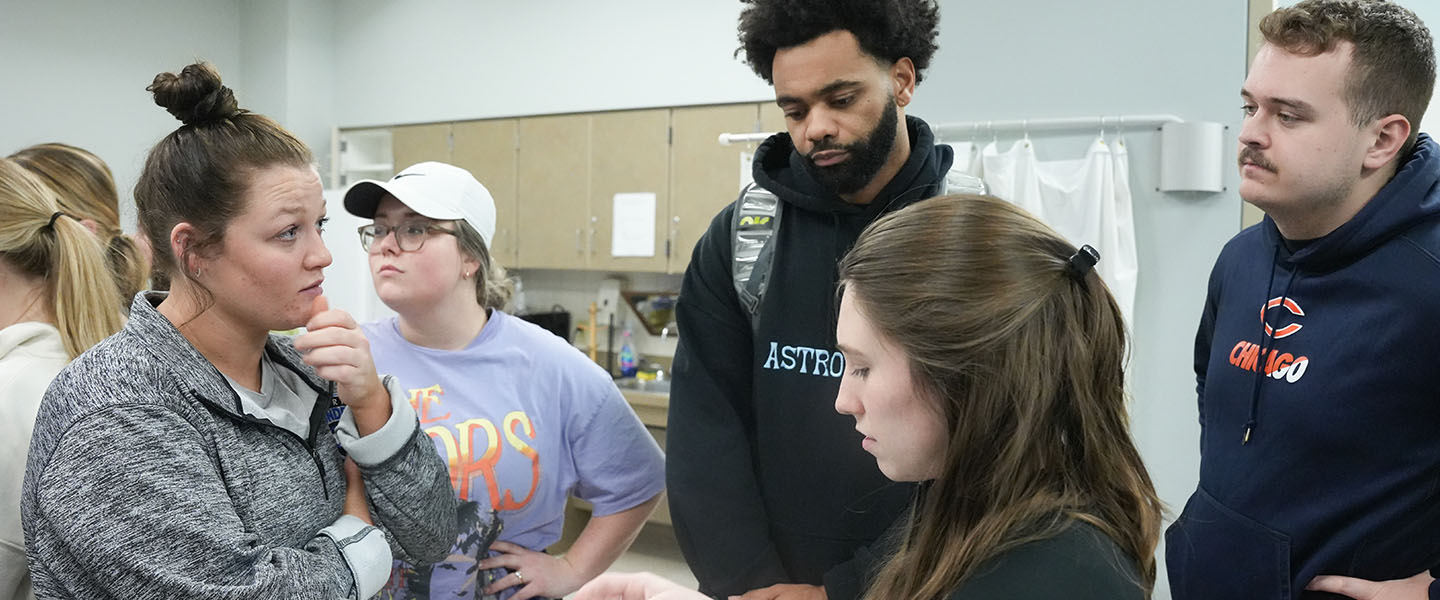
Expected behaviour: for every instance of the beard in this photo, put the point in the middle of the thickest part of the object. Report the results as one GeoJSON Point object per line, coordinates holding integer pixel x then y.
{"type": "Point", "coordinates": [866, 157]}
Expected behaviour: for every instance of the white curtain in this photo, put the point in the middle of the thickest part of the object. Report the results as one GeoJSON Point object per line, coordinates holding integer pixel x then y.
{"type": "Point", "coordinates": [967, 159]}
{"type": "Point", "coordinates": [1087, 200]}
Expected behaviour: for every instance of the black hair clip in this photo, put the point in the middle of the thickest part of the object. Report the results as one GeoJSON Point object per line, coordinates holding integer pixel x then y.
{"type": "Point", "coordinates": [1081, 262]}
{"type": "Point", "coordinates": [55, 217]}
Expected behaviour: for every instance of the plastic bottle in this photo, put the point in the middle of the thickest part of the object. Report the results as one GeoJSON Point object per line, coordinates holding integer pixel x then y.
{"type": "Point", "coordinates": [628, 360]}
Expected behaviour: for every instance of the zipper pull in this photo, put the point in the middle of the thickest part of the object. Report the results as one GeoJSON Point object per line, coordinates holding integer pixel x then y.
{"type": "Point", "coordinates": [1248, 429]}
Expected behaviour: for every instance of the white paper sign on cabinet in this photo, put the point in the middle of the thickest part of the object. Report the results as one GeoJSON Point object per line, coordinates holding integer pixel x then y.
{"type": "Point", "coordinates": [634, 231]}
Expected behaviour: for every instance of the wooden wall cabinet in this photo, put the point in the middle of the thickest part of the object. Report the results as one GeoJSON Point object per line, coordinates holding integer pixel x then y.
{"type": "Point", "coordinates": [553, 192]}
{"type": "Point", "coordinates": [418, 143]}
{"type": "Point", "coordinates": [488, 149]}
{"type": "Point", "coordinates": [629, 153]}
{"type": "Point", "coordinates": [554, 178]}
{"type": "Point", "coordinates": [705, 176]}
{"type": "Point", "coordinates": [485, 148]}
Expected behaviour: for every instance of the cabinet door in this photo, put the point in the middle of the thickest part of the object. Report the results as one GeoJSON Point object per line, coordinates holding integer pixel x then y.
{"type": "Point", "coordinates": [552, 190]}
{"type": "Point", "coordinates": [488, 150]}
{"type": "Point", "coordinates": [705, 176]}
{"type": "Point", "coordinates": [629, 153]}
{"type": "Point", "coordinates": [418, 143]}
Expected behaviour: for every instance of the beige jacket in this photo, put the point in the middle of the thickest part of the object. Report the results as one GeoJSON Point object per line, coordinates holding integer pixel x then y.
{"type": "Point", "coordinates": [30, 356]}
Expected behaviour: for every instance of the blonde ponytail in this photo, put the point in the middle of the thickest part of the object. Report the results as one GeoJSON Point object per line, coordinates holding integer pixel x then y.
{"type": "Point", "coordinates": [85, 298]}
{"type": "Point", "coordinates": [85, 189]}
{"type": "Point", "coordinates": [40, 240]}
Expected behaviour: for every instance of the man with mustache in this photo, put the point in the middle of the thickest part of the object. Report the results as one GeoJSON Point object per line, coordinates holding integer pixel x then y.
{"type": "Point", "coordinates": [1320, 459]}
{"type": "Point", "coordinates": [770, 489]}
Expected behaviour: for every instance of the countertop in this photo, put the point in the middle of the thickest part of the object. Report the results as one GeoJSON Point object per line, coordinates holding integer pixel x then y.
{"type": "Point", "coordinates": [651, 407]}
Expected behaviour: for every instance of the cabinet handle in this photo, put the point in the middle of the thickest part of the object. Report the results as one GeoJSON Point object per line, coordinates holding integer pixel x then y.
{"type": "Point", "coordinates": [674, 227]}
{"type": "Point", "coordinates": [674, 235]}
{"type": "Point", "coordinates": [577, 241]}
{"type": "Point", "coordinates": [593, 222]}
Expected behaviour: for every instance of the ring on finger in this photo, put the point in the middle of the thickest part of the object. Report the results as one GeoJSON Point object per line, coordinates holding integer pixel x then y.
{"type": "Point", "coordinates": [520, 577]}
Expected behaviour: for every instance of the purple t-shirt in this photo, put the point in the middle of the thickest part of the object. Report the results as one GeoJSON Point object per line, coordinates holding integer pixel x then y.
{"type": "Point", "coordinates": [525, 420]}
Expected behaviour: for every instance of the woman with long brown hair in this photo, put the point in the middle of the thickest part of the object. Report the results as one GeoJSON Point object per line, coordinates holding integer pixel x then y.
{"type": "Point", "coordinates": [984, 358]}
{"type": "Point", "coordinates": [85, 188]}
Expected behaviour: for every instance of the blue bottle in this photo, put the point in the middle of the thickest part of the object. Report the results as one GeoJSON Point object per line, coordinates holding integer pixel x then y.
{"type": "Point", "coordinates": [628, 363]}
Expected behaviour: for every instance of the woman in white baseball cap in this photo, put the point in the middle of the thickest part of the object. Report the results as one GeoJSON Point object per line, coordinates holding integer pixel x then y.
{"type": "Point", "coordinates": [524, 418]}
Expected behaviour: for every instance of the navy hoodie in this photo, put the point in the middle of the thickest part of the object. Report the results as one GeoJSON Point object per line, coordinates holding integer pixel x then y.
{"type": "Point", "coordinates": [1338, 392]}
{"type": "Point", "coordinates": [767, 483]}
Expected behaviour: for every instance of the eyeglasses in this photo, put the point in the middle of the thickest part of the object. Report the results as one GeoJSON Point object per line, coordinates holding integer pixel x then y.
{"type": "Point", "coordinates": [409, 236]}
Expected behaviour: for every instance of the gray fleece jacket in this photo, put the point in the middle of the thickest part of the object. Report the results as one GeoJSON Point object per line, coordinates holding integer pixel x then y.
{"type": "Point", "coordinates": [145, 479]}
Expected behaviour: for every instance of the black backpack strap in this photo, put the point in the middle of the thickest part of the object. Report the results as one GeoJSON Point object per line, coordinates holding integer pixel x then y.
{"type": "Point", "coordinates": [754, 223]}
{"type": "Point", "coordinates": [753, 226]}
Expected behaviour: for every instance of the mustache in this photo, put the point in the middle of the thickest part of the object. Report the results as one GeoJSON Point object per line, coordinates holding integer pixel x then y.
{"type": "Point", "coordinates": [826, 145]}
{"type": "Point", "coordinates": [1251, 155]}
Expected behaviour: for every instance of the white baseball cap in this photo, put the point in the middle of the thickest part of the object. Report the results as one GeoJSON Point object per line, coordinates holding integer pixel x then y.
{"type": "Point", "coordinates": [433, 189]}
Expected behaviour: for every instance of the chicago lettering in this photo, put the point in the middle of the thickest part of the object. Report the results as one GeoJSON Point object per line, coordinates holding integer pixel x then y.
{"type": "Point", "coordinates": [1278, 365]}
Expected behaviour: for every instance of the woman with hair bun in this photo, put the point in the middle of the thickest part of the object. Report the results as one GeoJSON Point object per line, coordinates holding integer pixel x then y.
{"type": "Point", "coordinates": [86, 189]}
{"type": "Point", "coordinates": [56, 300]}
{"type": "Point", "coordinates": [194, 455]}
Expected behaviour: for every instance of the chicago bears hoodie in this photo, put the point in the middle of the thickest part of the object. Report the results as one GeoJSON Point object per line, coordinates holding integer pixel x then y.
{"type": "Point", "coordinates": [1319, 393]}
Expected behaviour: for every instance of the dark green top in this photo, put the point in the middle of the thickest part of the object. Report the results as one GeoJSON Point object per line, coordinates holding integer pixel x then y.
{"type": "Point", "coordinates": [1079, 564]}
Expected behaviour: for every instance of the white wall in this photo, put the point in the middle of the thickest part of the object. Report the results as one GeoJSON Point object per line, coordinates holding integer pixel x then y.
{"type": "Point", "coordinates": [263, 28]}
{"type": "Point", "coordinates": [75, 71]}
{"type": "Point", "coordinates": [78, 69]}
{"type": "Point", "coordinates": [1429, 12]}
{"type": "Point", "coordinates": [433, 60]}
{"type": "Point", "coordinates": [287, 49]}
{"type": "Point", "coordinates": [310, 77]}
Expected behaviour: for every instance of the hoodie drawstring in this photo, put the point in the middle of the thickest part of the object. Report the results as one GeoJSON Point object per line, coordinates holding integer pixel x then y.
{"type": "Point", "coordinates": [1265, 336]}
